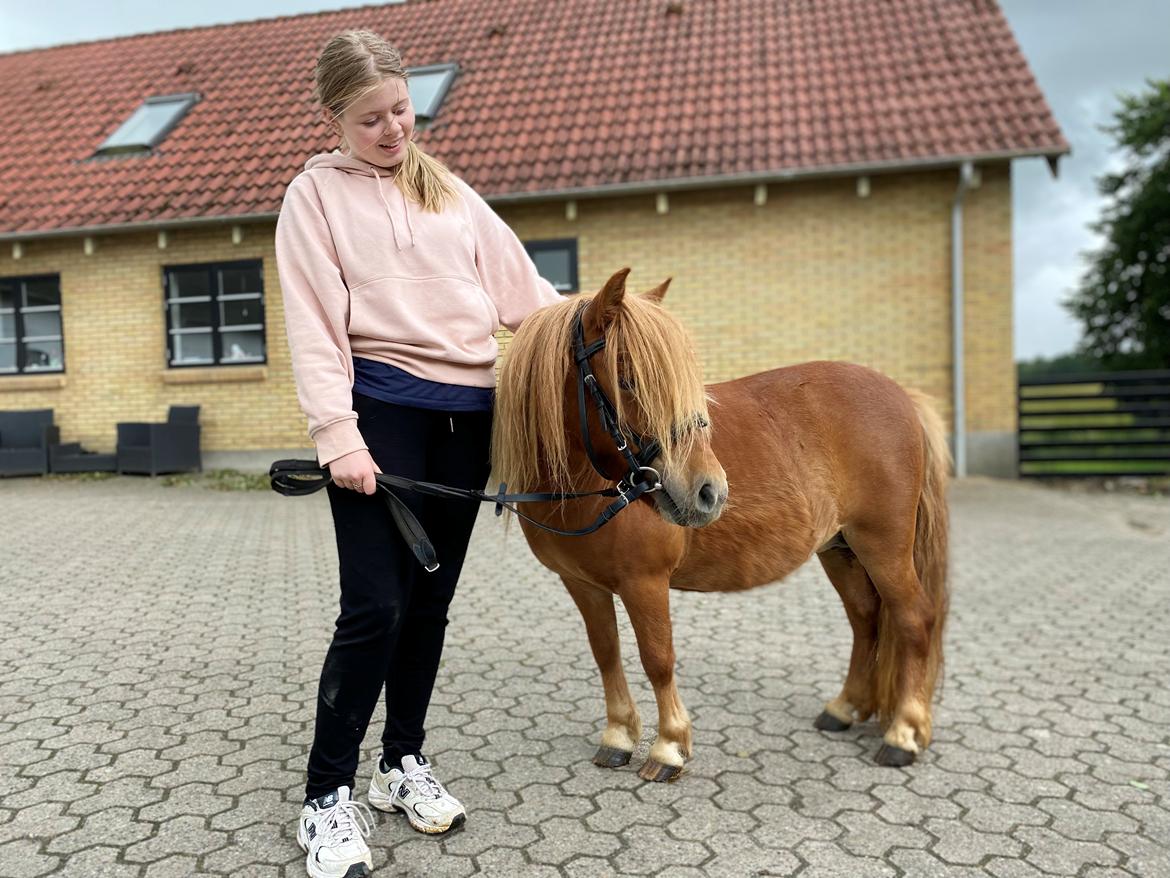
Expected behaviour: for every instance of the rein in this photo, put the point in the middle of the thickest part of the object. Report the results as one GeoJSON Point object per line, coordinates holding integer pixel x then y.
{"type": "Point", "coordinates": [294, 478]}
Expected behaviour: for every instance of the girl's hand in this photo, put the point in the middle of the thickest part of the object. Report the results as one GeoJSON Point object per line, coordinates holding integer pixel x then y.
{"type": "Point", "coordinates": [355, 471]}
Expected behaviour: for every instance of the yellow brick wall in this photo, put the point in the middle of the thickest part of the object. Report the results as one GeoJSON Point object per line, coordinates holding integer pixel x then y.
{"type": "Point", "coordinates": [115, 343]}
{"type": "Point", "coordinates": [815, 273]}
{"type": "Point", "coordinates": [818, 273]}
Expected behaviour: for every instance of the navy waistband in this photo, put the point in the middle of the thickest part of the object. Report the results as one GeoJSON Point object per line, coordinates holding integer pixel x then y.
{"type": "Point", "coordinates": [391, 384]}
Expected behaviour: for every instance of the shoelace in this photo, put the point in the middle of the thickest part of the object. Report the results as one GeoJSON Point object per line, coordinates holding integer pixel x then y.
{"type": "Point", "coordinates": [422, 778]}
{"type": "Point", "coordinates": [345, 819]}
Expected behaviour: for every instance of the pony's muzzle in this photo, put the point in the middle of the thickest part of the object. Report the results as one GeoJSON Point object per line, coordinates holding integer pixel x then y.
{"type": "Point", "coordinates": [708, 500]}
{"type": "Point", "coordinates": [697, 507]}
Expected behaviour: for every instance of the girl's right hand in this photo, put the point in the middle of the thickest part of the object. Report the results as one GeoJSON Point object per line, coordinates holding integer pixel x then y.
{"type": "Point", "coordinates": [355, 471]}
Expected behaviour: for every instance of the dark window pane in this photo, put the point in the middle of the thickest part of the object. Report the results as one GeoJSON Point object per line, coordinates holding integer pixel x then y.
{"type": "Point", "coordinates": [191, 315]}
{"type": "Point", "coordinates": [40, 323]}
{"type": "Point", "coordinates": [554, 266]}
{"type": "Point", "coordinates": [7, 295]}
{"type": "Point", "coordinates": [7, 356]}
{"type": "Point", "coordinates": [42, 291]}
{"type": "Point", "coordinates": [240, 312]}
{"type": "Point", "coordinates": [42, 355]}
{"type": "Point", "coordinates": [185, 282]}
{"type": "Point", "coordinates": [240, 280]}
{"type": "Point", "coordinates": [242, 346]}
{"type": "Point", "coordinates": [195, 348]}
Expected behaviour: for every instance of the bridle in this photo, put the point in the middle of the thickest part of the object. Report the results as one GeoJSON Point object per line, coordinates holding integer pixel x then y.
{"type": "Point", "coordinates": [298, 477]}
{"type": "Point", "coordinates": [638, 472]}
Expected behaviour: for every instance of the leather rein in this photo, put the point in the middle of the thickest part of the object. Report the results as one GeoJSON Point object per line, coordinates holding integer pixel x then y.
{"type": "Point", "coordinates": [294, 478]}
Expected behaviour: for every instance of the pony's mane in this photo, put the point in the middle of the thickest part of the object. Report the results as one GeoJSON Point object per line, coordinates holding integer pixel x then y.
{"type": "Point", "coordinates": [644, 344]}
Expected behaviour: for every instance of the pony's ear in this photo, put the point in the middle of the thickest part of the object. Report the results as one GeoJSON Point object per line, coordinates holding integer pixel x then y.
{"type": "Point", "coordinates": [656, 295]}
{"type": "Point", "coordinates": [605, 305]}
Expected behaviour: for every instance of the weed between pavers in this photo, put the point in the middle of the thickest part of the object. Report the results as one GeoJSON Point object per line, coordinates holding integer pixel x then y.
{"type": "Point", "coordinates": [215, 480]}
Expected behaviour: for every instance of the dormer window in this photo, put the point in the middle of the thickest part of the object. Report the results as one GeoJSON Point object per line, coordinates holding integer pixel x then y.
{"type": "Point", "coordinates": [428, 86]}
{"type": "Point", "coordinates": [148, 125]}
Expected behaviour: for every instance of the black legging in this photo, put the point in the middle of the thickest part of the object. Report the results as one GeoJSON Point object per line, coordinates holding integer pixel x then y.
{"type": "Point", "coordinates": [393, 613]}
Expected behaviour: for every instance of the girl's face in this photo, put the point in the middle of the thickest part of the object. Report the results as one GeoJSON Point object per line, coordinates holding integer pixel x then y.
{"type": "Point", "coordinates": [378, 126]}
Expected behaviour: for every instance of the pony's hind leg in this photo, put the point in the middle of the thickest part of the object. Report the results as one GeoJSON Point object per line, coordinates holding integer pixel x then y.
{"type": "Point", "coordinates": [623, 727]}
{"type": "Point", "coordinates": [857, 593]}
{"type": "Point", "coordinates": [908, 651]}
{"type": "Point", "coordinates": [648, 603]}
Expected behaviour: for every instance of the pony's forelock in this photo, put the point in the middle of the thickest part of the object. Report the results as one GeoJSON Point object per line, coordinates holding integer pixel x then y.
{"type": "Point", "coordinates": [644, 344]}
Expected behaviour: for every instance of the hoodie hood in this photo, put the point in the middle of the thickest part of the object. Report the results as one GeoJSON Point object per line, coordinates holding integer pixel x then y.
{"type": "Point", "coordinates": [350, 165]}
{"type": "Point", "coordinates": [343, 163]}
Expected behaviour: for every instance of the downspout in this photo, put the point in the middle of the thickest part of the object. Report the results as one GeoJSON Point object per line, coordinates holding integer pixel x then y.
{"type": "Point", "coordinates": [966, 181]}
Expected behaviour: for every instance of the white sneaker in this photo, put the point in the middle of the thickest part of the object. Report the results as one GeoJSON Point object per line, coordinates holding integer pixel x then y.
{"type": "Point", "coordinates": [415, 792]}
{"type": "Point", "coordinates": [331, 831]}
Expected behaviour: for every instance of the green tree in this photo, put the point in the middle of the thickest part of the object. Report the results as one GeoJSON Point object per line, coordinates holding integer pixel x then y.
{"type": "Point", "coordinates": [1063, 364]}
{"type": "Point", "coordinates": [1124, 297]}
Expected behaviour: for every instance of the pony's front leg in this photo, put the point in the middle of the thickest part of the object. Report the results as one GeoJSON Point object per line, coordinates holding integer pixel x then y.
{"type": "Point", "coordinates": [623, 727]}
{"type": "Point", "coordinates": [648, 603]}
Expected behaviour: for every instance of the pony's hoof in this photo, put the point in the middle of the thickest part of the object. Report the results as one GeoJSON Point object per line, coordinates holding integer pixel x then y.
{"type": "Point", "coordinates": [826, 722]}
{"type": "Point", "coordinates": [655, 771]}
{"type": "Point", "coordinates": [895, 757]}
{"type": "Point", "coordinates": [611, 757]}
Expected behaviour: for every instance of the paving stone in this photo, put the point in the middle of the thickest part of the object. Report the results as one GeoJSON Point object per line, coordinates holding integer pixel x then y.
{"type": "Point", "coordinates": [99, 861]}
{"type": "Point", "coordinates": [1055, 853]}
{"type": "Point", "coordinates": [646, 849]}
{"type": "Point", "coordinates": [21, 858]}
{"type": "Point", "coordinates": [180, 835]}
{"type": "Point", "coordinates": [962, 845]}
{"type": "Point", "coordinates": [110, 826]}
{"type": "Point", "coordinates": [826, 860]}
{"type": "Point", "coordinates": [157, 723]}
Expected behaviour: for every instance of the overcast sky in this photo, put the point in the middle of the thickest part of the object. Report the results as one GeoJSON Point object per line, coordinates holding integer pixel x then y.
{"type": "Point", "coordinates": [1083, 52]}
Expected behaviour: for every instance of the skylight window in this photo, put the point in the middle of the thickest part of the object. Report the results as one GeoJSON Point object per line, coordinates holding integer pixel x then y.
{"type": "Point", "coordinates": [428, 86]}
{"type": "Point", "coordinates": [148, 125]}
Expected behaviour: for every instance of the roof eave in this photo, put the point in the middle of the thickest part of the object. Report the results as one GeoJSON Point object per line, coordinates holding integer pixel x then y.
{"type": "Point", "coordinates": [611, 189]}
{"type": "Point", "coordinates": [775, 176]}
{"type": "Point", "coordinates": [148, 226]}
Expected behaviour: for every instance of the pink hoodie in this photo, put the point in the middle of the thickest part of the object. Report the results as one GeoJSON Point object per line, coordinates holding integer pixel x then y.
{"type": "Point", "coordinates": [364, 272]}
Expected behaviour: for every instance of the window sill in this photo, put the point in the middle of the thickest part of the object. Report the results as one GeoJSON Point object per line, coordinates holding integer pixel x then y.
{"type": "Point", "coordinates": [17, 383]}
{"type": "Point", "coordinates": [215, 375]}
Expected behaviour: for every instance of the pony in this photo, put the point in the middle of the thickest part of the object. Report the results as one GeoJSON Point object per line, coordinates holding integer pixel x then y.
{"type": "Point", "coordinates": [742, 482]}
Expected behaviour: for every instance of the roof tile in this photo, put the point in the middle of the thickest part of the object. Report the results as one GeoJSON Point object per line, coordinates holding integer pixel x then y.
{"type": "Point", "coordinates": [582, 94]}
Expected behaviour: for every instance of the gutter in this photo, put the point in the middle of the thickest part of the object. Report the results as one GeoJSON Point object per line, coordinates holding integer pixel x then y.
{"type": "Point", "coordinates": [775, 176]}
{"type": "Point", "coordinates": [966, 182]}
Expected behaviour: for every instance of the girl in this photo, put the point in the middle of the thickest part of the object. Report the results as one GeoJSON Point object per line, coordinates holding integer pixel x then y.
{"type": "Point", "coordinates": [395, 274]}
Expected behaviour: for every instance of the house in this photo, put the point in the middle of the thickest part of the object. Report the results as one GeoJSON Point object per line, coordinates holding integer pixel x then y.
{"type": "Point", "coordinates": [801, 169]}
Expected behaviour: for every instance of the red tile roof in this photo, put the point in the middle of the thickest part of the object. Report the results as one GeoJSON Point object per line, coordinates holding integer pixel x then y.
{"type": "Point", "coordinates": [568, 95]}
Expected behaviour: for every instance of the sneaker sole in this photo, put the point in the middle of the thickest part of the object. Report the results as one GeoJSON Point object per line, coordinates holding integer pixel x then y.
{"type": "Point", "coordinates": [356, 870]}
{"type": "Point", "coordinates": [383, 802]}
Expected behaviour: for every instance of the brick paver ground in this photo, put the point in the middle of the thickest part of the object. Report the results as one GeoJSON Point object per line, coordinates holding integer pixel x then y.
{"type": "Point", "coordinates": [160, 647]}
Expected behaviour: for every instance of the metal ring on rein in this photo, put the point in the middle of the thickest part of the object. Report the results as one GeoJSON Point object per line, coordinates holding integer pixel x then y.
{"type": "Point", "coordinates": [657, 482]}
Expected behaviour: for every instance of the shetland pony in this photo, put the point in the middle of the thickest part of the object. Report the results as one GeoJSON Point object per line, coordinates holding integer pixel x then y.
{"type": "Point", "coordinates": [757, 474]}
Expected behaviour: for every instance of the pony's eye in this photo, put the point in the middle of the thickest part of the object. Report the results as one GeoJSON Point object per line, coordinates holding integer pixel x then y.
{"type": "Point", "coordinates": [626, 383]}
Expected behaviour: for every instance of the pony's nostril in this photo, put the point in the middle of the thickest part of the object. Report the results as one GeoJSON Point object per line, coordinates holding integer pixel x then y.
{"type": "Point", "coordinates": [708, 498]}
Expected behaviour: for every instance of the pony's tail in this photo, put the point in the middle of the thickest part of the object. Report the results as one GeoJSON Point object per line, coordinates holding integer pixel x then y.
{"type": "Point", "coordinates": [930, 563]}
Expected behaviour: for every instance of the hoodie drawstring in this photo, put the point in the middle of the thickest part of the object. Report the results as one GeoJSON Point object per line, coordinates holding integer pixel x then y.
{"type": "Point", "coordinates": [390, 214]}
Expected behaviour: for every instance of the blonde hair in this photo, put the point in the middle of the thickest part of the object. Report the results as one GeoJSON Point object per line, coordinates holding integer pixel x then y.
{"type": "Point", "coordinates": [353, 64]}
{"type": "Point", "coordinates": [529, 442]}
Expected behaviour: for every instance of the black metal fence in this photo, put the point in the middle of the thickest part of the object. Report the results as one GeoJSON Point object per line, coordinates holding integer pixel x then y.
{"type": "Point", "coordinates": [1095, 424]}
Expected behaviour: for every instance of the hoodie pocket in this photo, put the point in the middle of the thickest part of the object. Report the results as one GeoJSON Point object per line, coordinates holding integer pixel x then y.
{"type": "Point", "coordinates": [446, 318]}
